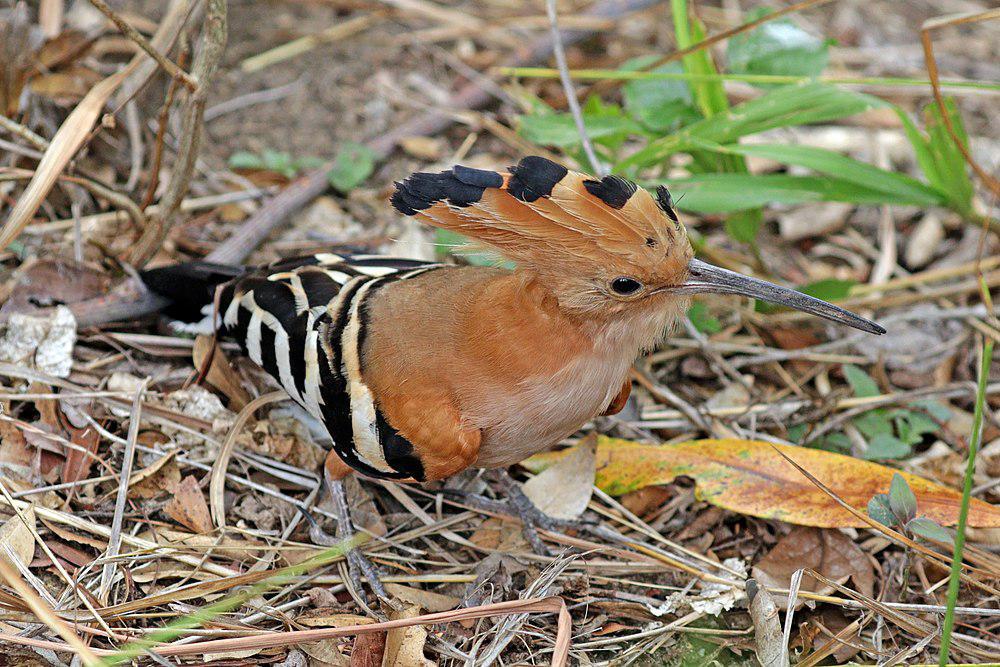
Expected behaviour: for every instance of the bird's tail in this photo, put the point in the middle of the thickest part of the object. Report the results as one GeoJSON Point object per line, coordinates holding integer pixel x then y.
{"type": "Point", "coordinates": [189, 287]}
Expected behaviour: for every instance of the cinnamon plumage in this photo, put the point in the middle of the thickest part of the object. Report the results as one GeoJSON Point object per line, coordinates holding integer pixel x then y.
{"type": "Point", "coordinates": [420, 370]}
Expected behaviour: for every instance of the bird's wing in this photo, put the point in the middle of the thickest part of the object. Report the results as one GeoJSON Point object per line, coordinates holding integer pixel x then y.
{"type": "Point", "coordinates": [303, 321]}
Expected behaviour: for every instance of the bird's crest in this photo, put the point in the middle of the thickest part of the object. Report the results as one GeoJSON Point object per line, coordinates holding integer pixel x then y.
{"type": "Point", "coordinates": [540, 212]}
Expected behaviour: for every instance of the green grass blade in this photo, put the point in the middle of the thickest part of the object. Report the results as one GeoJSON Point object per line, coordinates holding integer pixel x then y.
{"type": "Point", "coordinates": [950, 162]}
{"type": "Point", "coordinates": [898, 188]}
{"type": "Point", "coordinates": [975, 440]}
{"type": "Point", "coordinates": [725, 193]}
{"type": "Point", "coordinates": [790, 105]}
{"type": "Point", "coordinates": [921, 148]}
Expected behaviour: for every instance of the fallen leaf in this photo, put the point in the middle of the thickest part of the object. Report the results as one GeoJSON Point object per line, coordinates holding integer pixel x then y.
{"type": "Point", "coordinates": [330, 618]}
{"type": "Point", "coordinates": [18, 538]}
{"type": "Point", "coordinates": [404, 647]}
{"type": "Point", "coordinates": [220, 373]}
{"type": "Point", "coordinates": [161, 475]}
{"type": "Point", "coordinates": [572, 476]}
{"type": "Point", "coordinates": [495, 534]}
{"type": "Point", "coordinates": [188, 507]}
{"type": "Point", "coordinates": [428, 600]}
{"type": "Point", "coordinates": [80, 461]}
{"type": "Point", "coordinates": [829, 552]}
{"type": "Point", "coordinates": [751, 477]}
{"type": "Point", "coordinates": [368, 650]}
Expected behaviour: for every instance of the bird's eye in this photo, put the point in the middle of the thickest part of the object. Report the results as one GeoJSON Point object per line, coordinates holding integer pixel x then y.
{"type": "Point", "coordinates": [625, 286]}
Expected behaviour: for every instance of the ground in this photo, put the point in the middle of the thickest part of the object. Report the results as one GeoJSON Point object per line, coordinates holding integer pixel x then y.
{"type": "Point", "coordinates": [210, 510]}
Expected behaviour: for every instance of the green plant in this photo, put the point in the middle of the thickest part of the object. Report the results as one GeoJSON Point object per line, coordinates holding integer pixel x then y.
{"type": "Point", "coordinates": [351, 167]}
{"type": "Point", "coordinates": [278, 162]}
{"type": "Point", "coordinates": [681, 109]}
{"type": "Point", "coordinates": [898, 509]}
{"type": "Point", "coordinates": [890, 433]}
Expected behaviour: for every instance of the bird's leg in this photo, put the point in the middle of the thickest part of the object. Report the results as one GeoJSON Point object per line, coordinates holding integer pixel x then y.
{"type": "Point", "coordinates": [518, 504]}
{"type": "Point", "coordinates": [357, 562]}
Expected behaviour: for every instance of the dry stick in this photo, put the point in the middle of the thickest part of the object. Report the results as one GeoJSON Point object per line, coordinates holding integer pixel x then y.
{"type": "Point", "coordinates": [206, 63]}
{"type": "Point", "coordinates": [46, 615]}
{"type": "Point", "coordinates": [131, 33]}
{"type": "Point", "coordinates": [567, 84]}
{"type": "Point", "coordinates": [131, 300]}
{"type": "Point", "coordinates": [114, 543]}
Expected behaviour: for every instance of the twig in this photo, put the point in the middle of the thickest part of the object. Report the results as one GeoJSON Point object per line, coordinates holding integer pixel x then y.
{"type": "Point", "coordinates": [305, 44]}
{"type": "Point", "coordinates": [567, 84]}
{"type": "Point", "coordinates": [114, 542]}
{"type": "Point", "coordinates": [131, 33]}
{"type": "Point", "coordinates": [214, 36]}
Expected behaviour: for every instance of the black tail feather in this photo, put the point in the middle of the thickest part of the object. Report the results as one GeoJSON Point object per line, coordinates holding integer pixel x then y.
{"type": "Point", "coordinates": [189, 286]}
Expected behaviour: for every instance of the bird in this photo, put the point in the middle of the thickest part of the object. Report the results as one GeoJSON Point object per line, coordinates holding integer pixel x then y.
{"type": "Point", "coordinates": [419, 370]}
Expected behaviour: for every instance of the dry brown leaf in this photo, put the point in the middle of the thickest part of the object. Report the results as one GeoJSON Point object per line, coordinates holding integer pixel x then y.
{"type": "Point", "coordinates": [572, 476]}
{"type": "Point", "coordinates": [188, 507]}
{"type": "Point", "coordinates": [368, 650]}
{"type": "Point", "coordinates": [19, 537]}
{"type": "Point", "coordinates": [62, 148]}
{"type": "Point", "coordinates": [428, 600]}
{"type": "Point", "coordinates": [160, 476]}
{"type": "Point", "coordinates": [328, 617]}
{"type": "Point", "coordinates": [220, 373]}
{"type": "Point", "coordinates": [404, 647]}
{"type": "Point", "coordinates": [829, 552]}
{"type": "Point", "coordinates": [78, 463]}
{"type": "Point", "coordinates": [498, 535]}
{"type": "Point", "coordinates": [325, 653]}
{"type": "Point", "coordinates": [755, 477]}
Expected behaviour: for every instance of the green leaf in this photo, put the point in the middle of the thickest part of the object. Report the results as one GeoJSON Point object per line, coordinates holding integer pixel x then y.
{"type": "Point", "coordinates": [901, 499]}
{"type": "Point", "coordinates": [660, 105]}
{"type": "Point", "coordinates": [887, 446]}
{"type": "Point", "coordinates": [861, 383]}
{"type": "Point", "coordinates": [776, 47]}
{"type": "Point", "coordinates": [896, 188]}
{"type": "Point", "coordinates": [352, 166]}
{"type": "Point", "coordinates": [948, 157]}
{"type": "Point", "coordinates": [873, 424]}
{"type": "Point", "coordinates": [929, 530]}
{"type": "Point", "coordinates": [702, 320]}
{"type": "Point", "coordinates": [725, 193]}
{"type": "Point", "coordinates": [936, 409]}
{"type": "Point", "coordinates": [245, 160]}
{"type": "Point", "coordinates": [878, 509]}
{"type": "Point", "coordinates": [798, 104]}
{"type": "Point", "coordinates": [560, 129]}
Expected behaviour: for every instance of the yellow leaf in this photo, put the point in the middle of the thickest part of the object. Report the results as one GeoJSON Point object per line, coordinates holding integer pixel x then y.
{"type": "Point", "coordinates": [751, 477]}
{"type": "Point", "coordinates": [18, 537]}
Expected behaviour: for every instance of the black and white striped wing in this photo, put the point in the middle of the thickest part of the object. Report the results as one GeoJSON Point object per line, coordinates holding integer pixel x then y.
{"type": "Point", "coordinates": [303, 320]}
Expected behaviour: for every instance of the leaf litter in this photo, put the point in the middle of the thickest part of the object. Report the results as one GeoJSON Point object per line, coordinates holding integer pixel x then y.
{"type": "Point", "coordinates": [695, 514]}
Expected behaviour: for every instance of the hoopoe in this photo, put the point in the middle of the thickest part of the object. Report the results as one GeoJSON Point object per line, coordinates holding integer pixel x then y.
{"type": "Point", "coordinates": [420, 370]}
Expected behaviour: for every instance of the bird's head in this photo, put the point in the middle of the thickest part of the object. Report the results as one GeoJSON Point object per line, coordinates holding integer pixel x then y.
{"type": "Point", "coordinates": [604, 247]}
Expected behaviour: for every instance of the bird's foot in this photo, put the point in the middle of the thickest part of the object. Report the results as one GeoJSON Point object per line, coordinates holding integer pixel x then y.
{"type": "Point", "coordinates": [359, 568]}
{"type": "Point", "coordinates": [519, 505]}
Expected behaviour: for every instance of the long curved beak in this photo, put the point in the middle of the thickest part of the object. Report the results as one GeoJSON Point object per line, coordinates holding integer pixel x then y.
{"type": "Point", "coordinates": [707, 278]}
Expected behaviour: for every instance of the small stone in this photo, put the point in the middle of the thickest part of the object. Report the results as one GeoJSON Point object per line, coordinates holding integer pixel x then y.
{"type": "Point", "coordinates": [813, 220]}
{"type": "Point", "coordinates": [925, 242]}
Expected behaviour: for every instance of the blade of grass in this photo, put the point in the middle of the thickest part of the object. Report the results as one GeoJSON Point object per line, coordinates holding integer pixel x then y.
{"type": "Point", "coordinates": [896, 186]}
{"type": "Point", "coordinates": [954, 577]}
{"type": "Point", "coordinates": [723, 193]}
{"type": "Point", "coordinates": [787, 79]}
{"type": "Point", "coordinates": [789, 105]}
